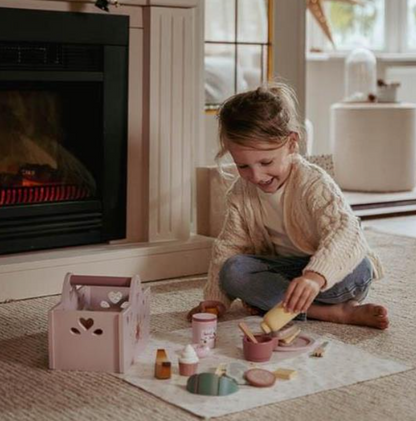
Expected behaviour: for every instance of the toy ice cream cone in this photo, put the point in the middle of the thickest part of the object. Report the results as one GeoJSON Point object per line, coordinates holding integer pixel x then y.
{"type": "Point", "coordinates": [188, 361]}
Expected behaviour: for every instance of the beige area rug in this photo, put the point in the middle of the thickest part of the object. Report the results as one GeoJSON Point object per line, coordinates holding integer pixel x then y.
{"type": "Point", "coordinates": [29, 391]}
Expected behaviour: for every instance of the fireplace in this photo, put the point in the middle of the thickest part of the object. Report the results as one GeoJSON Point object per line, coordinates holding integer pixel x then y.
{"type": "Point", "coordinates": [165, 109]}
{"type": "Point", "coordinates": [63, 129]}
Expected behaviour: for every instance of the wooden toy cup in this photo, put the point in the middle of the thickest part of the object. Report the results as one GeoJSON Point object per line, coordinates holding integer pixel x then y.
{"type": "Point", "coordinates": [260, 352]}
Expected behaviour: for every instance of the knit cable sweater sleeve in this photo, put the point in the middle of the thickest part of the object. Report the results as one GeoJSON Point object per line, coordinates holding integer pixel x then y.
{"type": "Point", "coordinates": [233, 239]}
{"type": "Point", "coordinates": [342, 245]}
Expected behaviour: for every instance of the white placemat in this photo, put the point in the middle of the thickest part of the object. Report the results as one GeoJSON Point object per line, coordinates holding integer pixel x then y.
{"type": "Point", "coordinates": [342, 365]}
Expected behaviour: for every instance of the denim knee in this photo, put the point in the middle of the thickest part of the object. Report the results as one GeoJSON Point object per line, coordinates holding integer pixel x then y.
{"type": "Point", "coordinates": [366, 274]}
{"type": "Point", "coordinates": [362, 274]}
{"type": "Point", "coordinates": [367, 266]}
{"type": "Point", "coordinates": [232, 275]}
{"type": "Point", "coordinates": [354, 286]}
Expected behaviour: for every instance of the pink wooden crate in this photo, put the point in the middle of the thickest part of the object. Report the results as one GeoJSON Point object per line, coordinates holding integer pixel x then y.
{"type": "Point", "coordinates": [101, 323]}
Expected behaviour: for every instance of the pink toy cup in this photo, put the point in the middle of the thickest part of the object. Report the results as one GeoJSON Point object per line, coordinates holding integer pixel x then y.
{"type": "Point", "coordinates": [204, 329]}
{"type": "Point", "coordinates": [274, 339]}
{"type": "Point", "coordinates": [260, 352]}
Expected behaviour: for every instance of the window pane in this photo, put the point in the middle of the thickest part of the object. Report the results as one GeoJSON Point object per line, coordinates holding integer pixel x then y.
{"type": "Point", "coordinates": [250, 65]}
{"type": "Point", "coordinates": [252, 21]}
{"type": "Point", "coordinates": [220, 73]}
{"type": "Point", "coordinates": [411, 24]}
{"type": "Point", "coordinates": [220, 20]}
{"type": "Point", "coordinates": [359, 25]}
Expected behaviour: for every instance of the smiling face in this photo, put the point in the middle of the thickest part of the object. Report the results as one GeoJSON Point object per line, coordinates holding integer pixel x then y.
{"type": "Point", "coordinates": [264, 166]}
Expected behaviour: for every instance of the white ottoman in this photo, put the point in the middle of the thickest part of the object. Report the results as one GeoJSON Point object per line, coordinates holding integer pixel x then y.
{"type": "Point", "coordinates": [374, 146]}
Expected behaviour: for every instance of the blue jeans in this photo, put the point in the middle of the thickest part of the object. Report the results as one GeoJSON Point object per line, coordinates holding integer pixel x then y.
{"type": "Point", "coordinates": [261, 281]}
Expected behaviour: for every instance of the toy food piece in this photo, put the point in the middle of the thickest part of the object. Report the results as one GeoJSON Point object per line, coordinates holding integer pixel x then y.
{"type": "Point", "coordinates": [211, 385]}
{"type": "Point", "coordinates": [163, 367]}
{"type": "Point", "coordinates": [276, 318]}
{"type": "Point", "coordinates": [236, 371]}
{"type": "Point", "coordinates": [285, 374]}
{"type": "Point", "coordinates": [211, 310]}
{"type": "Point", "coordinates": [289, 340]}
{"type": "Point", "coordinates": [259, 377]}
{"type": "Point", "coordinates": [286, 331]}
{"type": "Point", "coordinates": [221, 369]}
{"type": "Point", "coordinates": [301, 343]}
{"type": "Point", "coordinates": [213, 307]}
{"type": "Point", "coordinates": [201, 350]}
{"type": "Point", "coordinates": [188, 361]}
{"type": "Point", "coordinates": [319, 351]}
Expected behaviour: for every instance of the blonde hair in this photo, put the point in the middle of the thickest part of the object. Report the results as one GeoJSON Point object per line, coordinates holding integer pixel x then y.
{"type": "Point", "coordinates": [267, 114]}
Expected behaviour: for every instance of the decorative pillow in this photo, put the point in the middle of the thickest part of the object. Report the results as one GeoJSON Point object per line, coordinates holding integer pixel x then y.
{"type": "Point", "coordinates": [326, 162]}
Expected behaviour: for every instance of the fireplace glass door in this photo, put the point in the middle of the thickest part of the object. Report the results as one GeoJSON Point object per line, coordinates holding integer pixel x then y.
{"type": "Point", "coordinates": [50, 143]}
{"type": "Point", "coordinates": [63, 129]}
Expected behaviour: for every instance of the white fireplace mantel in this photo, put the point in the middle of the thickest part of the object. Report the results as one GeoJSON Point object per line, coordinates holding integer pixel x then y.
{"type": "Point", "coordinates": [165, 120]}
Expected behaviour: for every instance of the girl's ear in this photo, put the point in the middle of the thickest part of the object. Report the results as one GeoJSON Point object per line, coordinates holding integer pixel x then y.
{"type": "Point", "coordinates": [293, 142]}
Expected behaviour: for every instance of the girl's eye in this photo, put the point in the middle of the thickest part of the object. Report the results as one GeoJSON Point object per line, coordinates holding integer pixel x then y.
{"type": "Point", "coordinates": [242, 167]}
{"type": "Point", "coordinates": [265, 164]}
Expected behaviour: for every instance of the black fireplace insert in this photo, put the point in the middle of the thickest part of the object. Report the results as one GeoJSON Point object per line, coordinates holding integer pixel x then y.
{"type": "Point", "coordinates": [63, 129]}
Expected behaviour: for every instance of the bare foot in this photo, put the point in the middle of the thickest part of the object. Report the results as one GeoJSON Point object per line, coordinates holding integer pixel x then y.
{"type": "Point", "coordinates": [352, 313]}
{"type": "Point", "coordinates": [371, 315]}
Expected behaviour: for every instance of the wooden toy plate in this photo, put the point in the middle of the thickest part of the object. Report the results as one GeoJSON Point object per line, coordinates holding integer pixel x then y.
{"type": "Point", "coordinates": [301, 343]}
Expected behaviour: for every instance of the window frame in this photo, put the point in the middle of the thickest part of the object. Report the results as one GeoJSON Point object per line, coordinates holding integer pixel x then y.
{"type": "Point", "coordinates": [395, 32]}
{"type": "Point", "coordinates": [212, 108]}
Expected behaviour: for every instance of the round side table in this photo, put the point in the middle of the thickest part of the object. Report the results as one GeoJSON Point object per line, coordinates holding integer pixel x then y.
{"type": "Point", "coordinates": [374, 146]}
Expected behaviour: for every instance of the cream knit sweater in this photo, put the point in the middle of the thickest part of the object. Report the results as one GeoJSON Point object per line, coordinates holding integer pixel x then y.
{"type": "Point", "coordinates": [318, 221]}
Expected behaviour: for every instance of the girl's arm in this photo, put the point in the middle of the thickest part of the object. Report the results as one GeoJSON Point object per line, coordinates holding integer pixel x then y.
{"type": "Point", "coordinates": [342, 245]}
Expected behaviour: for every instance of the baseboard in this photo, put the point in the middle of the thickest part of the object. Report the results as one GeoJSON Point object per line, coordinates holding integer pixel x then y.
{"type": "Point", "coordinates": [29, 275]}
{"type": "Point", "coordinates": [373, 205]}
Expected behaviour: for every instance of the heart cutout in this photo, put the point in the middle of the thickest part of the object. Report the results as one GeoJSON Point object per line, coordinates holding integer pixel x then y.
{"type": "Point", "coordinates": [115, 297]}
{"type": "Point", "coordinates": [104, 304]}
{"type": "Point", "coordinates": [86, 323]}
{"type": "Point", "coordinates": [125, 304]}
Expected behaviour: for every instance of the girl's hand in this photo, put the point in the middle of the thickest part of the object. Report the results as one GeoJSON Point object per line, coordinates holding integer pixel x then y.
{"type": "Point", "coordinates": [302, 291]}
{"type": "Point", "coordinates": [208, 306]}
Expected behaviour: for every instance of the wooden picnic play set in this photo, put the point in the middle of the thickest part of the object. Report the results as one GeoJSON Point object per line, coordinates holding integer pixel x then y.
{"type": "Point", "coordinates": [102, 324]}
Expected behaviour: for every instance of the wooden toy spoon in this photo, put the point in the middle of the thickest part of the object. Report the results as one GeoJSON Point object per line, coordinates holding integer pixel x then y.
{"type": "Point", "coordinates": [246, 330]}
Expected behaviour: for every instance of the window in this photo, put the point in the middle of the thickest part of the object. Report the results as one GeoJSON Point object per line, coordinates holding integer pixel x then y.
{"type": "Point", "coordinates": [380, 25]}
{"type": "Point", "coordinates": [411, 24]}
{"type": "Point", "coordinates": [237, 47]}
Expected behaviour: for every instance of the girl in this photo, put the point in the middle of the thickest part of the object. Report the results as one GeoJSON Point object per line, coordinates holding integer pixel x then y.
{"type": "Point", "coordinates": [289, 234]}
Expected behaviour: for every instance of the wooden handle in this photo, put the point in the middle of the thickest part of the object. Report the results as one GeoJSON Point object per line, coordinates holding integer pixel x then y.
{"type": "Point", "coordinates": [247, 332]}
{"type": "Point", "coordinates": [104, 281]}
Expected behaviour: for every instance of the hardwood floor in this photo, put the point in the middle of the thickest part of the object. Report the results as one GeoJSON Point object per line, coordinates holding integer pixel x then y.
{"type": "Point", "coordinates": [393, 213]}
{"type": "Point", "coordinates": [368, 205]}
{"type": "Point", "coordinates": [401, 225]}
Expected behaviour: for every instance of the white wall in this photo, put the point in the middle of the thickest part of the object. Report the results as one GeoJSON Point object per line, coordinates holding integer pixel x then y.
{"type": "Point", "coordinates": [325, 86]}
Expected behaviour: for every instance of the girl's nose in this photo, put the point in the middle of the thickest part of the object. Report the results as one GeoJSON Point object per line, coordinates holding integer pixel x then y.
{"type": "Point", "coordinates": [256, 175]}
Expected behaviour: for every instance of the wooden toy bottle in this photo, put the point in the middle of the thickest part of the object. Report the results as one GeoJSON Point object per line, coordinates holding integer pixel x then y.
{"type": "Point", "coordinates": [276, 318]}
